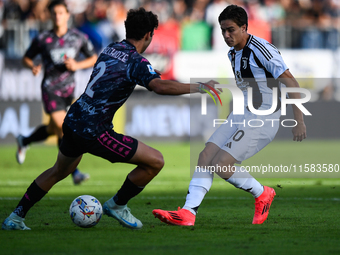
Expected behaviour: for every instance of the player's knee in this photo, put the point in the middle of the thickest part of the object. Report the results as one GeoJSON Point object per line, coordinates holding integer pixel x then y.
{"type": "Point", "coordinates": [204, 157]}
{"type": "Point", "coordinates": [216, 162]}
{"type": "Point", "coordinates": [157, 162]}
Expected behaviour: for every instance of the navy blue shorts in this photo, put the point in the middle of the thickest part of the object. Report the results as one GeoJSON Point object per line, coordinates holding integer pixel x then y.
{"type": "Point", "coordinates": [110, 145]}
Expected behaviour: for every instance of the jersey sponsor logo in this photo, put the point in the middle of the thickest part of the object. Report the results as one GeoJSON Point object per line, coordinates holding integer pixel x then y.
{"type": "Point", "coordinates": [58, 56]}
{"type": "Point", "coordinates": [86, 107]}
{"type": "Point", "coordinates": [240, 82]}
{"type": "Point", "coordinates": [151, 70]}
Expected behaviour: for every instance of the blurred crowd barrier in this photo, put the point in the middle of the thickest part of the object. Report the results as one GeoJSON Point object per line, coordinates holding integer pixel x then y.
{"type": "Point", "coordinates": [193, 24]}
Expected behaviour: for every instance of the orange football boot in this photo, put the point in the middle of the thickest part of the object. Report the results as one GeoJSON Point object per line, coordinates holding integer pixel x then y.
{"type": "Point", "coordinates": [262, 205]}
{"type": "Point", "coordinates": [182, 217]}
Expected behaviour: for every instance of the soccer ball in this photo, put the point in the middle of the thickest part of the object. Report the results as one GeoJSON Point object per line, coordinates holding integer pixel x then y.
{"type": "Point", "coordinates": [86, 211]}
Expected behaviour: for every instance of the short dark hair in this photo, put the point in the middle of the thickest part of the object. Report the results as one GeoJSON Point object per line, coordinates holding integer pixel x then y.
{"type": "Point", "coordinates": [236, 14]}
{"type": "Point", "coordinates": [54, 3]}
{"type": "Point", "coordinates": [139, 22]}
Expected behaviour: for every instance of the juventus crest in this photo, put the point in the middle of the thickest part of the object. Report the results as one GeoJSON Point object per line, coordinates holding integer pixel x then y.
{"type": "Point", "coordinates": [244, 62]}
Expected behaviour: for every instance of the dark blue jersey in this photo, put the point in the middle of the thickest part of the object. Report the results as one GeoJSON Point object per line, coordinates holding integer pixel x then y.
{"type": "Point", "coordinates": [117, 71]}
{"type": "Point", "coordinates": [54, 50]}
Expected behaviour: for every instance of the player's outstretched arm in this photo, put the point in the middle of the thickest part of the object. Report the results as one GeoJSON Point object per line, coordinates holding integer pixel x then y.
{"type": "Point", "coordinates": [167, 87]}
{"type": "Point", "coordinates": [299, 131]}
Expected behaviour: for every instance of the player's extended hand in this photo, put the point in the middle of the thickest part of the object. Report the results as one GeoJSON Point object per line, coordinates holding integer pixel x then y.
{"type": "Point", "coordinates": [299, 132]}
{"type": "Point", "coordinates": [212, 83]}
{"type": "Point", "coordinates": [36, 70]}
{"type": "Point", "coordinates": [158, 72]}
{"type": "Point", "coordinates": [71, 64]}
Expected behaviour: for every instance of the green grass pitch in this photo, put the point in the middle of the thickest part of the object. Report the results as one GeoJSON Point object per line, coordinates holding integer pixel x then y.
{"type": "Point", "coordinates": [304, 217]}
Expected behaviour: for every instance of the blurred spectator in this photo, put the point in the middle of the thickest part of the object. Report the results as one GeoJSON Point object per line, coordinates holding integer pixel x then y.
{"type": "Point", "coordinates": [2, 9]}
{"type": "Point", "coordinates": [16, 10]}
{"type": "Point", "coordinates": [315, 20]}
{"type": "Point", "coordinates": [288, 23]}
{"type": "Point", "coordinates": [273, 12]}
{"type": "Point", "coordinates": [257, 25]}
{"type": "Point", "coordinates": [196, 32]}
{"type": "Point", "coordinates": [179, 10]}
{"type": "Point", "coordinates": [38, 10]}
{"type": "Point", "coordinates": [116, 14]}
{"type": "Point", "coordinates": [315, 23]}
{"type": "Point", "coordinates": [166, 39]}
{"type": "Point", "coordinates": [213, 11]}
{"type": "Point", "coordinates": [86, 22]}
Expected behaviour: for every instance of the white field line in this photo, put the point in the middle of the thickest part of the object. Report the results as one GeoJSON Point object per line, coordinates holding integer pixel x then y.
{"type": "Point", "coordinates": [183, 198]}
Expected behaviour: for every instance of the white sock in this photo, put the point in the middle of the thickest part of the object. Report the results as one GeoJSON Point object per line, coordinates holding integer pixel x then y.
{"type": "Point", "coordinates": [198, 187]}
{"type": "Point", "coordinates": [194, 198]}
{"type": "Point", "coordinates": [243, 180]}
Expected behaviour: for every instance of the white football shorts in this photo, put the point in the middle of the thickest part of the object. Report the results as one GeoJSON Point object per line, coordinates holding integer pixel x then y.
{"type": "Point", "coordinates": [242, 136]}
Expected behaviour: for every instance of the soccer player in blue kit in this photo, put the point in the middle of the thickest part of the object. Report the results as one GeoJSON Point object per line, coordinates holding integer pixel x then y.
{"type": "Point", "coordinates": [257, 64]}
{"type": "Point", "coordinates": [88, 124]}
{"type": "Point", "coordinates": [58, 48]}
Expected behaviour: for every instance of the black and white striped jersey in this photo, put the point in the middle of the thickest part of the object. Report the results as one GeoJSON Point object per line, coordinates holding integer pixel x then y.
{"type": "Point", "coordinates": [258, 65]}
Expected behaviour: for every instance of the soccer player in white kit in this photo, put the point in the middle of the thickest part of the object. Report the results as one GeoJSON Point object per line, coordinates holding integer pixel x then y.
{"type": "Point", "coordinates": [257, 64]}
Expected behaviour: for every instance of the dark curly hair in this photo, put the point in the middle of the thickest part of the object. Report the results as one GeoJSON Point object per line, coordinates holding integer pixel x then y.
{"type": "Point", "coordinates": [139, 22]}
{"type": "Point", "coordinates": [56, 2]}
{"type": "Point", "coordinates": [236, 14]}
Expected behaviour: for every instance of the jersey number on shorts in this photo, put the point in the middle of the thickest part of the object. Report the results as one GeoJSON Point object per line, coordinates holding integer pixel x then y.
{"type": "Point", "coordinates": [88, 90]}
{"type": "Point", "coordinates": [238, 135]}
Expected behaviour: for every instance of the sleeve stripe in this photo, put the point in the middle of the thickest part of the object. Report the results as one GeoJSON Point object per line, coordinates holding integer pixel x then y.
{"type": "Point", "coordinates": [262, 46]}
{"type": "Point", "coordinates": [262, 49]}
{"type": "Point", "coordinates": [273, 46]}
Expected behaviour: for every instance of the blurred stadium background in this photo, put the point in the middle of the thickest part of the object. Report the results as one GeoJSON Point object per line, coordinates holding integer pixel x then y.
{"type": "Point", "coordinates": [187, 44]}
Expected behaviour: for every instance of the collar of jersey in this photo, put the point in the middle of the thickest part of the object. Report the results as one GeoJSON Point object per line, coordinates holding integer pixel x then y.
{"type": "Point", "coordinates": [127, 42]}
